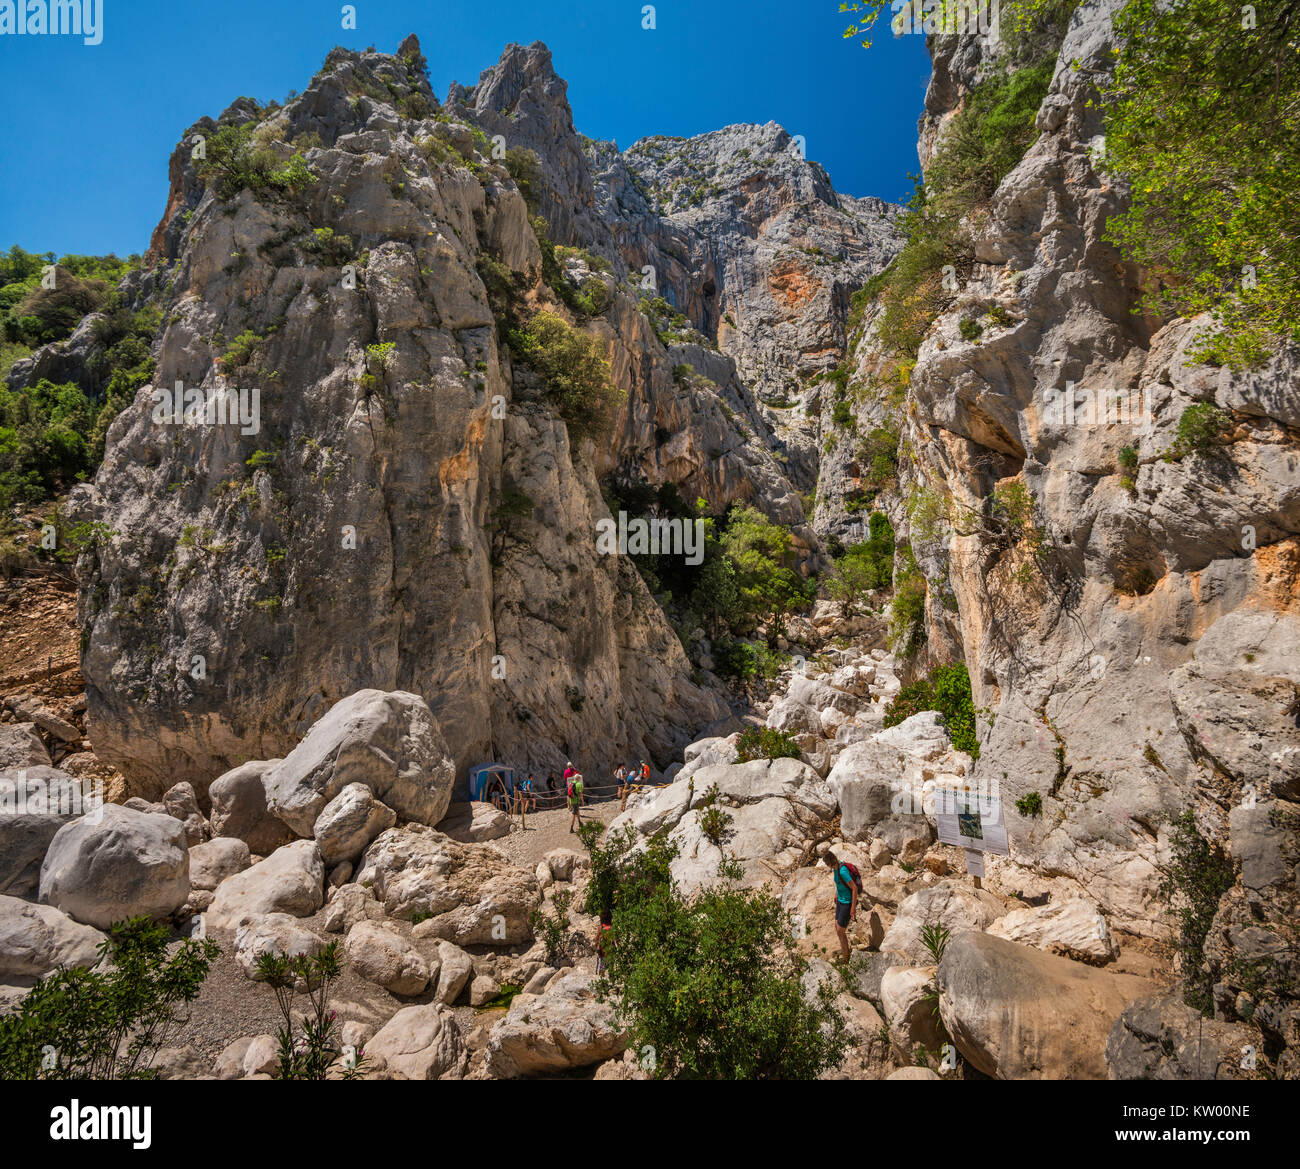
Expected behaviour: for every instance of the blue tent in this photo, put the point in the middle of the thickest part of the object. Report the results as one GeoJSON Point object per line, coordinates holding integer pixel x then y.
{"type": "Point", "coordinates": [483, 777]}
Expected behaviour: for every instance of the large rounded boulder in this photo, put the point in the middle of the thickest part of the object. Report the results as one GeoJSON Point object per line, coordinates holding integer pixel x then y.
{"type": "Point", "coordinates": [115, 864]}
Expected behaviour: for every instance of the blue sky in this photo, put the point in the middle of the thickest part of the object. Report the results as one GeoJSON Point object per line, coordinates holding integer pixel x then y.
{"type": "Point", "coordinates": [86, 131]}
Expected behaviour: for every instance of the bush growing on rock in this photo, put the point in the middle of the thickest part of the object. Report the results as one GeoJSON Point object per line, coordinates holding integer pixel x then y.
{"type": "Point", "coordinates": [711, 985]}
{"type": "Point", "coordinates": [1198, 876]}
{"type": "Point", "coordinates": [575, 371]}
{"type": "Point", "coordinates": [106, 1024]}
{"type": "Point", "coordinates": [765, 743]}
{"type": "Point", "coordinates": [945, 689]}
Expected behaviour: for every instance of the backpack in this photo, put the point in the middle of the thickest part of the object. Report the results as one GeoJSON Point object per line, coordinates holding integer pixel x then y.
{"type": "Point", "coordinates": [853, 872]}
{"type": "Point", "coordinates": [569, 789]}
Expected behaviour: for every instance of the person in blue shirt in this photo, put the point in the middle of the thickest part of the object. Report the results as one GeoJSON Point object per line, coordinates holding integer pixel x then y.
{"type": "Point", "coordinates": [846, 900]}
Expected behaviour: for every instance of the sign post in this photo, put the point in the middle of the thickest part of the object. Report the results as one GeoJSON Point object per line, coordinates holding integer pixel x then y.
{"type": "Point", "coordinates": [971, 820]}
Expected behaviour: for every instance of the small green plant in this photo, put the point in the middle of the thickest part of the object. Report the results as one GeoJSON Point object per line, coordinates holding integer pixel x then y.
{"type": "Point", "coordinates": [1030, 805]}
{"type": "Point", "coordinates": [765, 743]}
{"type": "Point", "coordinates": [713, 818]}
{"type": "Point", "coordinates": [970, 328]}
{"type": "Point", "coordinates": [242, 350]}
{"type": "Point", "coordinates": [1201, 428]}
{"type": "Point", "coordinates": [553, 928]}
{"type": "Point", "coordinates": [380, 354]}
{"type": "Point", "coordinates": [309, 1045]}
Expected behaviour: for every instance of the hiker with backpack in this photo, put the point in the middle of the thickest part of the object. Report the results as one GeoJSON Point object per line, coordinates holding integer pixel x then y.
{"type": "Point", "coordinates": [848, 887]}
{"type": "Point", "coordinates": [573, 793]}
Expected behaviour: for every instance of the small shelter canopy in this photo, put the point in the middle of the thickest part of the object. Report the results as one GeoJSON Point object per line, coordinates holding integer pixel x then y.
{"type": "Point", "coordinates": [483, 776]}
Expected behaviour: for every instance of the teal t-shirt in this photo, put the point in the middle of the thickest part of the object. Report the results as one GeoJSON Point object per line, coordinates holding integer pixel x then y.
{"type": "Point", "coordinates": [843, 885]}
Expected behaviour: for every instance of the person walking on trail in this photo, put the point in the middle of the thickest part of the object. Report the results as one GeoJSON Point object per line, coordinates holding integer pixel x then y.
{"type": "Point", "coordinates": [573, 791]}
{"type": "Point", "coordinates": [848, 884]}
{"type": "Point", "coordinates": [624, 782]}
{"type": "Point", "coordinates": [528, 794]}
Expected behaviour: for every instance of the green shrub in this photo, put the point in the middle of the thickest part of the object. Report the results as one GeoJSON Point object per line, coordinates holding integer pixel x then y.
{"type": "Point", "coordinates": [1198, 876]}
{"type": "Point", "coordinates": [1030, 805]}
{"type": "Point", "coordinates": [765, 743]}
{"type": "Point", "coordinates": [762, 556]}
{"type": "Point", "coordinates": [523, 168]}
{"type": "Point", "coordinates": [907, 607]}
{"type": "Point", "coordinates": [969, 328]}
{"type": "Point", "coordinates": [842, 415]}
{"type": "Point", "coordinates": [236, 161]}
{"type": "Point", "coordinates": [241, 352]}
{"type": "Point", "coordinates": [309, 1043]}
{"type": "Point", "coordinates": [869, 565]}
{"type": "Point", "coordinates": [711, 987]}
{"type": "Point", "coordinates": [946, 689]}
{"type": "Point", "coordinates": [1214, 215]}
{"type": "Point", "coordinates": [575, 371]}
{"type": "Point", "coordinates": [106, 1024]}
{"type": "Point", "coordinates": [878, 456]}
{"type": "Point", "coordinates": [745, 661]}
{"type": "Point", "coordinates": [552, 929]}
{"type": "Point", "coordinates": [1200, 430]}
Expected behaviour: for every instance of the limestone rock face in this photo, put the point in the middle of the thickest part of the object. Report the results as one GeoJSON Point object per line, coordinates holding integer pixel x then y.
{"type": "Point", "coordinates": [473, 894]}
{"type": "Point", "coordinates": [387, 743]}
{"type": "Point", "coordinates": [1150, 669]}
{"type": "Point", "coordinates": [1017, 1013]}
{"type": "Point", "coordinates": [117, 864]}
{"type": "Point", "coordinates": [361, 575]}
{"type": "Point", "coordinates": [1161, 1038]}
{"type": "Point", "coordinates": [562, 1029]}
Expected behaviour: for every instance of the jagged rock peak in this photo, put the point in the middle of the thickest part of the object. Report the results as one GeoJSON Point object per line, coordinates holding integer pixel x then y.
{"type": "Point", "coordinates": [500, 87]}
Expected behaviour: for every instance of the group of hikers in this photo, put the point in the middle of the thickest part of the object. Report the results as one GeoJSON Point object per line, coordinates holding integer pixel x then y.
{"type": "Point", "coordinates": [848, 880]}
{"type": "Point", "coordinates": [626, 779]}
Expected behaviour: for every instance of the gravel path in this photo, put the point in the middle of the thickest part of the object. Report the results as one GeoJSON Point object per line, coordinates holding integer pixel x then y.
{"type": "Point", "coordinates": [548, 829]}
